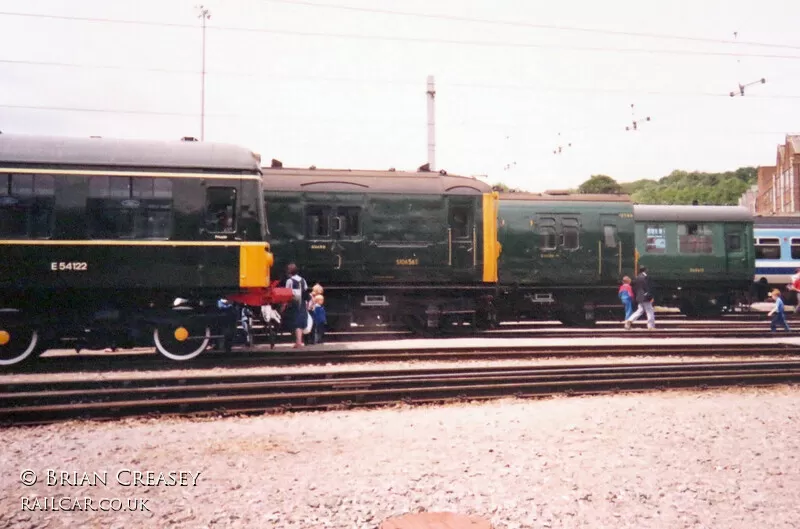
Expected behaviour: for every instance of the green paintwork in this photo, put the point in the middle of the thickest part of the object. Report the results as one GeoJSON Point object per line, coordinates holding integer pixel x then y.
{"type": "Point", "coordinates": [524, 261]}
{"type": "Point", "coordinates": [691, 271]}
{"type": "Point", "coordinates": [399, 239]}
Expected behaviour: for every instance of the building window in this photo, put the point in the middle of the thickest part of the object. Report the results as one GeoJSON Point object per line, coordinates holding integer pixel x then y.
{"type": "Point", "coordinates": [656, 239]}
{"type": "Point", "coordinates": [695, 238]}
{"type": "Point", "coordinates": [768, 248]}
{"type": "Point", "coordinates": [27, 206]}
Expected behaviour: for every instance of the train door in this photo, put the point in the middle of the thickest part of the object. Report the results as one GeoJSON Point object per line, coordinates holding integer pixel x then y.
{"type": "Point", "coordinates": [736, 250]}
{"type": "Point", "coordinates": [546, 253]}
{"type": "Point", "coordinates": [348, 239]}
{"type": "Point", "coordinates": [462, 235]}
{"type": "Point", "coordinates": [610, 249]}
{"type": "Point", "coordinates": [318, 256]}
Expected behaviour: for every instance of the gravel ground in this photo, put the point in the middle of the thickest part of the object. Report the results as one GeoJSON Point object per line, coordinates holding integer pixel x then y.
{"type": "Point", "coordinates": [722, 458]}
{"type": "Point", "coordinates": [380, 366]}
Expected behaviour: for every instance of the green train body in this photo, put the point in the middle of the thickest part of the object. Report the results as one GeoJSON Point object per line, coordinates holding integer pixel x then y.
{"type": "Point", "coordinates": [701, 257]}
{"type": "Point", "coordinates": [387, 245]}
{"type": "Point", "coordinates": [100, 237]}
{"type": "Point", "coordinates": [563, 255]}
{"type": "Point", "coordinates": [435, 249]}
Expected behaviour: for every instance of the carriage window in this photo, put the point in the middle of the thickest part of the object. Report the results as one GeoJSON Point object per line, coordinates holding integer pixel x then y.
{"type": "Point", "coordinates": [570, 241]}
{"type": "Point", "coordinates": [734, 242]}
{"type": "Point", "coordinates": [768, 248]}
{"type": "Point", "coordinates": [795, 248]}
{"type": "Point", "coordinates": [459, 221]}
{"type": "Point", "coordinates": [317, 222]}
{"type": "Point", "coordinates": [569, 238]}
{"type": "Point", "coordinates": [26, 206]}
{"type": "Point", "coordinates": [221, 209]}
{"type": "Point", "coordinates": [695, 238]}
{"type": "Point", "coordinates": [351, 221]}
{"type": "Point", "coordinates": [123, 207]}
{"type": "Point", "coordinates": [656, 239]}
{"type": "Point", "coordinates": [610, 235]}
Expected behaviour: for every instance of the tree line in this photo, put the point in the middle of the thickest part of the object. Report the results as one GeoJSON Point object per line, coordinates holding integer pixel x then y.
{"type": "Point", "coordinates": [679, 187]}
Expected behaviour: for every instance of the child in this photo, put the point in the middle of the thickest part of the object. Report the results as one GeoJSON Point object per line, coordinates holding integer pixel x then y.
{"type": "Point", "coordinates": [316, 290]}
{"type": "Point", "coordinates": [320, 319]}
{"type": "Point", "coordinates": [778, 316]}
{"type": "Point", "coordinates": [625, 294]}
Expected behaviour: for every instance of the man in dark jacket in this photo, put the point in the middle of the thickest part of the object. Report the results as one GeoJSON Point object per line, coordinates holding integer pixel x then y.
{"type": "Point", "coordinates": [643, 291]}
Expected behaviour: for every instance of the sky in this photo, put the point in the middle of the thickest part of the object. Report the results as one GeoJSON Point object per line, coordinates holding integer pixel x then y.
{"type": "Point", "coordinates": [342, 83]}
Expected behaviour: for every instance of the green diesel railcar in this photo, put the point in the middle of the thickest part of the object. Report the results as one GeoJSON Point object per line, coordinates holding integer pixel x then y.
{"type": "Point", "coordinates": [700, 258]}
{"type": "Point", "coordinates": [563, 255]}
{"type": "Point", "coordinates": [100, 237]}
{"type": "Point", "coordinates": [387, 245]}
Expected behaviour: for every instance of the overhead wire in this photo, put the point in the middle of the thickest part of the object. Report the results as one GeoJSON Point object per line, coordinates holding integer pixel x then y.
{"type": "Point", "coordinates": [531, 25]}
{"type": "Point", "coordinates": [418, 40]}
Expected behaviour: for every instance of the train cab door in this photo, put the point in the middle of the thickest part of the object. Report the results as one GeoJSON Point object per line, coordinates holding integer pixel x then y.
{"type": "Point", "coordinates": [736, 251]}
{"type": "Point", "coordinates": [462, 235]}
{"type": "Point", "coordinates": [318, 256]}
{"type": "Point", "coordinates": [610, 250]}
{"type": "Point", "coordinates": [348, 239]}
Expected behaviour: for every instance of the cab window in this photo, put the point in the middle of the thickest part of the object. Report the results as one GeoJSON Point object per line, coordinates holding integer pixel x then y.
{"type": "Point", "coordinates": [221, 210]}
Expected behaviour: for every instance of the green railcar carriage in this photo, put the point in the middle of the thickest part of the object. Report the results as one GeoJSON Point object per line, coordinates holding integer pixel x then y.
{"type": "Point", "coordinates": [563, 255]}
{"type": "Point", "coordinates": [701, 258]}
{"type": "Point", "coordinates": [100, 237]}
{"type": "Point", "coordinates": [419, 247]}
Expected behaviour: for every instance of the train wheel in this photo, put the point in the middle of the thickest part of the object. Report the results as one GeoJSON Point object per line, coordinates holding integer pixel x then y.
{"type": "Point", "coordinates": [17, 344]}
{"type": "Point", "coordinates": [181, 340]}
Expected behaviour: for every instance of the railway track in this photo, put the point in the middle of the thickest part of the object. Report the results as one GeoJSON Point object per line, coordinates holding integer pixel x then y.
{"type": "Point", "coordinates": [51, 401]}
{"type": "Point", "coordinates": [399, 351]}
{"type": "Point", "coordinates": [669, 328]}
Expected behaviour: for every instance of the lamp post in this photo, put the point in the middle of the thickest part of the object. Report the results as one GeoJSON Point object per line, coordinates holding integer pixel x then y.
{"type": "Point", "coordinates": [204, 14]}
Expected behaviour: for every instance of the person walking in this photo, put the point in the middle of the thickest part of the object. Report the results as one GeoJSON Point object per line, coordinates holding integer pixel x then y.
{"type": "Point", "coordinates": [643, 291]}
{"type": "Point", "coordinates": [297, 311]}
{"type": "Point", "coordinates": [777, 313]}
{"type": "Point", "coordinates": [625, 294]}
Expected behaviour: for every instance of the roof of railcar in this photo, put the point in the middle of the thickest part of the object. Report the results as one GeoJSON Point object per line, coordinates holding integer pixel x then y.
{"type": "Point", "coordinates": [108, 152]}
{"type": "Point", "coordinates": [565, 197]}
{"type": "Point", "coordinates": [777, 222]}
{"type": "Point", "coordinates": [361, 181]}
{"type": "Point", "coordinates": [692, 213]}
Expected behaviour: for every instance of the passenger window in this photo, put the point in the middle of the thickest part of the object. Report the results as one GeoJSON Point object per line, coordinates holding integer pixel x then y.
{"type": "Point", "coordinates": [26, 206]}
{"type": "Point", "coordinates": [122, 207]}
{"type": "Point", "coordinates": [734, 242]}
{"type": "Point", "coordinates": [768, 250]}
{"type": "Point", "coordinates": [460, 221]}
{"type": "Point", "coordinates": [695, 238]}
{"type": "Point", "coordinates": [610, 236]}
{"type": "Point", "coordinates": [221, 209]}
{"type": "Point", "coordinates": [656, 239]}
{"type": "Point", "coordinates": [351, 221]}
{"type": "Point", "coordinates": [317, 222]}
{"type": "Point", "coordinates": [570, 238]}
{"type": "Point", "coordinates": [795, 248]}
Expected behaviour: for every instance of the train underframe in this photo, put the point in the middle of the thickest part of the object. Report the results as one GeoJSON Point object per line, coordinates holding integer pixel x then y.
{"type": "Point", "coordinates": [709, 299]}
{"type": "Point", "coordinates": [181, 325]}
{"type": "Point", "coordinates": [434, 310]}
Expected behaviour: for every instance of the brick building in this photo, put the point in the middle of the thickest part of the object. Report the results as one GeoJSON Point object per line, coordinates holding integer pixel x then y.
{"type": "Point", "coordinates": [779, 184]}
